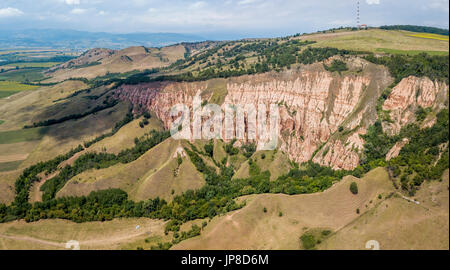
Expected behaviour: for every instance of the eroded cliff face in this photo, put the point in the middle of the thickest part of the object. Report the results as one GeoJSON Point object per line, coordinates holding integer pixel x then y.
{"type": "Point", "coordinates": [407, 96]}
{"type": "Point", "coordinates": [395, 150]}
{"type": "Point", "coordinates": [313, 105]}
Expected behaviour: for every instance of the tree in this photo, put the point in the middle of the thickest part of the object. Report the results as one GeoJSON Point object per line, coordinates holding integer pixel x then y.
{"type": "Point", "coordinates": [354, 188]}
{"type": "Point", "coordinates": [209, 148]}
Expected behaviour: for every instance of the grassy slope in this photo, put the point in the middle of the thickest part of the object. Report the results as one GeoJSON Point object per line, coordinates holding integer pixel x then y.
{"type": "Point", "coordinates": [56, 139]}
{"type": "Point", "coordinates": [149, 176]}
{"type": "Point", "coordinates": [377, 40]}
{"type": "Point", "coordinates": [251, 228]}
{"type": "Point", "coordinates": [400, 224]}
{"type": "Point", "coordinates": [277, 163]}
{"type": "Point", "coordinates": [53, 234]}
{"type": "Point", "coordinates": [407, 226]}
{"type": "Point", "coordinates": [133, 58]}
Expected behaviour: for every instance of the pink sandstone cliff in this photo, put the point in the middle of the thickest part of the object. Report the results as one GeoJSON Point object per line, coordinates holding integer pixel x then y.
{"type": "Point", "coordinates": [313, 104]}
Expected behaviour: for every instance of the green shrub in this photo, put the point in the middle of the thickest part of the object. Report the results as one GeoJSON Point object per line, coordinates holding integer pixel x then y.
{"type": "Point", "coordinates": [308, 241]}
{"type": "Point", "coordinates": [354, 188]}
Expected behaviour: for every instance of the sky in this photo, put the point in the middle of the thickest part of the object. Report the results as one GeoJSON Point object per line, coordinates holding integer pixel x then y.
{"type": "Point", "coordinates": [217, 19]}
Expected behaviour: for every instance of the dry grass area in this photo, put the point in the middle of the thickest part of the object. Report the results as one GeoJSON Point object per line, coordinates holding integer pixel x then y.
{"type": "Point", "coordinates": [7, 180]}
{"type": "Point", "coordinates": [392, 220]}
{"type": "Point", "coordinates": [397, 223]}
{"type": "Point", "coordinates": [21, 108]}
{"type": "Point", "coordinates": [373, 39]}
{"type": "Point", "coordinates": [150, 176]}
{"type": "Point", "coordinates": [53, 234]}
{"type": "Point", "coordinates": [124, 138]}
{"type": "Point", "coordinates": [276, 162]}
{"type": "Point", "coordinates": [129, 59]}
{"type": "Point", "coordinates": [252, 228]}
{"type": "Point", "coordinates": [29, 146]}
{"type": "Point", "coordinates": [16, 151]}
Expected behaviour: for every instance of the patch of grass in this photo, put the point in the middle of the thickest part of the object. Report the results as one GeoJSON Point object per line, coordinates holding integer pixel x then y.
{"type": "Point", "coordinates": [410, 52]}
{"type": "Point", "coordinates": [15, 136]}
{"type": "Point", "coordinates": [8, 88]}
{"type": "Point", "coordinates": [23, 75]}
{"type": "Point", "coordinates": [374, 39]}
{"type": "Point", "coordinates": [1, 122]}
{"type": "Point", "coordinates": [9, 166]}
{"type": "Point", "coordinates": [219, 89]}
{"type": "Point", "coordinates": [15, 86]}
{"type": "Point", "coordinates": [4, 94]}
{"type": "Point", "coordinates": [34, 64]}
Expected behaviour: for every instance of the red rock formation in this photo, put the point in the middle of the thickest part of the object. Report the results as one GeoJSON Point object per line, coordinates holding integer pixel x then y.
{"type": "Point", "coordinates": [407, 95]}
{"type": "Point", "coordinates": [395, 150]}
{"type": "Point", "coordinates": [313, 104]}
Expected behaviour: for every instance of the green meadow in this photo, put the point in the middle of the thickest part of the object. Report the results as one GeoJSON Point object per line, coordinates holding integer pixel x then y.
{"type": "Point", "coordinates": [21, 135]}
{"type": "Point", "coordinates": [8, 88]}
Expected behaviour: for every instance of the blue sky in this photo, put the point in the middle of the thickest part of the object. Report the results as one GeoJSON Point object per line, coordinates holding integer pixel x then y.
{"type": "Point", "coordinates": [217, 18]}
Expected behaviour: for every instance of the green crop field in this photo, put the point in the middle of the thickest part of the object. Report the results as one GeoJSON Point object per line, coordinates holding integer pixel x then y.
{"type": "Point", "coordinates": [21, 135]}
{"type": "Point", "coordinates": [8, 88]}
{"type": "Point", "coordinates": [23, 75]}
{"type": "Point", "coordinates": [34, 64]}
{"type": "Point", "coordinates": [9, 166]}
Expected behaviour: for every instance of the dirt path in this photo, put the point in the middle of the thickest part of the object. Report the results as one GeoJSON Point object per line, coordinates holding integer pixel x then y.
{"type": "Point", "coordinates": [31, 239]}
{"type": "Point", "coordinates": [95, 242]}
{"type": "Point", "coordinates": [35, 192]}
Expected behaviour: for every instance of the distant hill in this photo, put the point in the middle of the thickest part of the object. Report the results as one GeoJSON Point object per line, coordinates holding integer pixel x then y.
{"type": "Point", "coordinates": [59, 38]}
{"type": "Point", "coordinates": [416, 28]}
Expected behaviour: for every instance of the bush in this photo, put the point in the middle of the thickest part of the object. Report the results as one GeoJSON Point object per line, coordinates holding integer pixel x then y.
{"type": "Point", "coordinates": [308, 241]}
{"type": "Point", "coordinates": [336, 65]}
{"type": "Point", "coordinates": [354, 188]}
{"type": "Point", "coordinates": [209, 148]}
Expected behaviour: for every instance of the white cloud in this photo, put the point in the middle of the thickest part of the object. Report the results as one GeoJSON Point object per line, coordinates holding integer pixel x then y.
{"type": "Point", "coordinates": [373, 2]}
{"type": "Point", "coordinates": [101, 13]}
{"type": "Point", "coordinates": [72, 2]}
{"type": "Point", "coordinates": [197, 5]}
{"type": "Point", "coordinates": [10, 12]}
{"type": "Point", "coordinates": [438, 4]}
{"type": "Point", "coordinates": [78, 11]}
{"type": "Point", "coordinates": [245, 2]}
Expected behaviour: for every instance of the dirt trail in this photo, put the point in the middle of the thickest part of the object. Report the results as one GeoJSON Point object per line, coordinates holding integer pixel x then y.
{"type": "Point", "coordinates": [95, 242]}
{"type": "Point", "coordinates": [35, 240]}
{"type": "Point", "coordinates": [35, 193]}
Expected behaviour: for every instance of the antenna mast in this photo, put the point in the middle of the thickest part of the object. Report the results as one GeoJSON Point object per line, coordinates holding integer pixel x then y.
{"type": "Point", "coordinates": [357, 15]}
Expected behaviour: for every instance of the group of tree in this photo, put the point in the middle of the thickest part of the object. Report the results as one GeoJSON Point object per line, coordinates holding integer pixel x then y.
{"type": "Point", "coordinates": [416, 28]}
